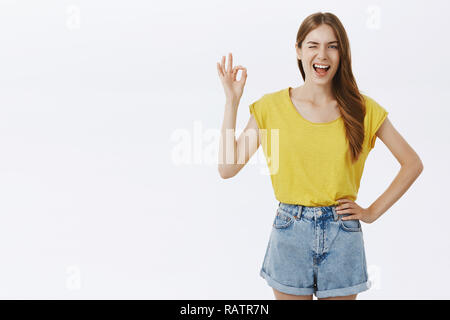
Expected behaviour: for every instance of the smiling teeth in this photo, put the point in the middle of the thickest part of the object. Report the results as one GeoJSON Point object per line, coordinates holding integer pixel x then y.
{"type": "Point", "coordinates": [322, 67]}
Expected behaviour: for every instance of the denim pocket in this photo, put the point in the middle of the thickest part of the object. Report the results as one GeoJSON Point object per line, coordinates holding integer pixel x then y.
{"type": "Point", "coordinates": [350, 225]}
{"type": "Point", "coordinates": [282, 219]}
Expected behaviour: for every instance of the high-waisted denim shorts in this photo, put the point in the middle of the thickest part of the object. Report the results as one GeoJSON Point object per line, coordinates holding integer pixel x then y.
{"type": "Point", "coordinates": [311, 250]}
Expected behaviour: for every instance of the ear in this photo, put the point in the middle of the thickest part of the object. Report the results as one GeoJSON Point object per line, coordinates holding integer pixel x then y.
{"type": "Point", "coordinates": [299, 51]}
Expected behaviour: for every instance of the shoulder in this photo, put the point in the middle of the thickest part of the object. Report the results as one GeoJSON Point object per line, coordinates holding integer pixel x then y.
{"type": "Point", "coordinates": [273, 98]}
{"type": "Point", "coordinates": [267, 106]}
{"type": "Point", "coordinates": [371, 104]}
{"type": "Point", "coordinates": [270, 99]}
{"type": "Point", "coordinates": [374, 110]}
{"type": "Point", "coordinates": [375, 116]}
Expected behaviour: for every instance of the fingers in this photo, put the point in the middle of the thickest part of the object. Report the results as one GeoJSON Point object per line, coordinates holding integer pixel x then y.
{"type": "Point", "coordinates": [341, 207]}
{"type": "Point", "coordinates": [344, 204]}
{"type": "Point", "coordinates": [223, 70]}
{"type": "Point", "coordinates": [352, 217]}
{"type": "Point", "coordinates": [345, 212]}
{"type": "Point", "coordinates": [222, 65]}
{"type": "Point", "coordinates": [230, 63]}
{"type": "Point", "coordinates": [219, 69]}
{"type": "Point", "coordinates": [234, 73]}
{"type": "Point", "coordinates": [243, 74]}
{"type": "Point", "coordinates": [347, 209]}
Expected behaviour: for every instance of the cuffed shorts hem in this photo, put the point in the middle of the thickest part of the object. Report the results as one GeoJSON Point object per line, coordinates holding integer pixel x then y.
{"type": "Point", "coordinates": [284, 288]}
{"type": "Point", "coordinates": [344, 291]}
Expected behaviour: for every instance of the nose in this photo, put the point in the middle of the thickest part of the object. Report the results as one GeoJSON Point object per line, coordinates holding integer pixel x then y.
{"type": "Point", "coordinates": [322, 53]}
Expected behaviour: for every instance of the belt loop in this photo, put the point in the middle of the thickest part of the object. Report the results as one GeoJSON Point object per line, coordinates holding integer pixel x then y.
{"type": "Point", "coordinates": [299, 212]}
{"type": "Point", "coordinates": [335, 215]}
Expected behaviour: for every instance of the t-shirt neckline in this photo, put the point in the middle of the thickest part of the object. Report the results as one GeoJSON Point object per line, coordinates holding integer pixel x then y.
{"type": "Point", "coordinates": [292, 106]}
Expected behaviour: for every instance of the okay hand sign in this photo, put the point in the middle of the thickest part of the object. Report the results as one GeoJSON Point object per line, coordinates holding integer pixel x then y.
{"type": "Point", "coordinates": [233, 88]}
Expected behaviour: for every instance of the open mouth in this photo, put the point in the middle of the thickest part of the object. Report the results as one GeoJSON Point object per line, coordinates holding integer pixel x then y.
{"type": "Point", "coordinates": [320, 69]}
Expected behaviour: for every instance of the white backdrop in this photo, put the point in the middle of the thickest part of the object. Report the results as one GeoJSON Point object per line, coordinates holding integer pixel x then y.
{"type": "Point", "coordinates": [110, 113]}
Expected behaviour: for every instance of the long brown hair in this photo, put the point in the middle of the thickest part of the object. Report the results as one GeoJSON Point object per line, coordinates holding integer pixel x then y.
{"type": "Point", "coordinates": [350, 100]}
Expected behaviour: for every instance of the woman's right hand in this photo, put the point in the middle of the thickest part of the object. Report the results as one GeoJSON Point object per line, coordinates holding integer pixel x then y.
{"type": "Point", "coordinates": [233, 88]}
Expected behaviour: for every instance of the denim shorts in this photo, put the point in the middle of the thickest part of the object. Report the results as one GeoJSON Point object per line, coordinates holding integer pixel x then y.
{"type": "Point", "coordinates": [311, 250]}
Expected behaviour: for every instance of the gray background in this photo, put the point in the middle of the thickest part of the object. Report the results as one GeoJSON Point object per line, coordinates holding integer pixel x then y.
{"type": "Point", "coordinates": [109, 119]}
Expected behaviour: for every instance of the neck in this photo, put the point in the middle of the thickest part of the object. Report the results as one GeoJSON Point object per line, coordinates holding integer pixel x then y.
{"type": "Point", "coordinates": [316, 92]}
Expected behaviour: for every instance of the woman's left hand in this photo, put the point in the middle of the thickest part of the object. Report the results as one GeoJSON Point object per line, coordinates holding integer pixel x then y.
{"type": "Point", "coordinates": [347, 206]}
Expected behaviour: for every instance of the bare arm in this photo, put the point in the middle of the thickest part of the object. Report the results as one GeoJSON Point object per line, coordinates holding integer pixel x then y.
{"type": "Point", "coordinates": [233, 155]}
{"type": "Point", "coordinates": [411, 168]}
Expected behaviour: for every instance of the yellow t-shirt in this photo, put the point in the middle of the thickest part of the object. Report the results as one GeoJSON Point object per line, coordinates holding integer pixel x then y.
{"type": "Point", "coordinates": [309, 162]}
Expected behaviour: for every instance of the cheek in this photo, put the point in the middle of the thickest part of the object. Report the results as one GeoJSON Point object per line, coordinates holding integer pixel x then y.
{"type": "Point", "coordinates": [336, 58]}
{"type": "Point", "coordinates": [306, 61]}
{"type": "Point", "coordinates": [336, 62]}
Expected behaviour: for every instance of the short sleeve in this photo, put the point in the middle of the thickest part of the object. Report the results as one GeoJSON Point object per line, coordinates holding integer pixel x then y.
{"type": "Point", "coordinates": [376, 114]}
{"type": "Point", "coordinates": [258, 112]}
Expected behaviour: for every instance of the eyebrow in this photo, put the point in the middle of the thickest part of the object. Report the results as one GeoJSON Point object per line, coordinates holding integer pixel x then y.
{"type": "Point", "coordinates": [318, 43]}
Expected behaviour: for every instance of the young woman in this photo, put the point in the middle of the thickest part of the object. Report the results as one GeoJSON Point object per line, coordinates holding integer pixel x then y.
{"type": "Point", "coordinates": [316, 139]}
